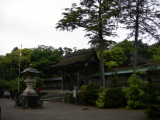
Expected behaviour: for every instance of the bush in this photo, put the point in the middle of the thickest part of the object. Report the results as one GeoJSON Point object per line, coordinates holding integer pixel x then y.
{"type": "Point", "coordinates": [135, 96]}
{"type": "Point", "coordinates": [69, 98]}
{"type": "Point", "coordinates": [39, 82]}
{"type": "Point", "coordinates": [89, 94]}
{"type": "Point", "coordinates": [100, 102]}
{"type": "Point", "coordinates": [153, 99]}
{"type": "Point", "coordinates": [37, 86]}
{"type": "Point", "coordinates": [153, 111]}
{"type": "Point", "coordinates": [13, 85]}
{"type": "Point", "coordinates": [3, 85]}
{"type": "Point", "coordinates": [115, 97]}
{"type": "Point", "coordinates": [111, 98]}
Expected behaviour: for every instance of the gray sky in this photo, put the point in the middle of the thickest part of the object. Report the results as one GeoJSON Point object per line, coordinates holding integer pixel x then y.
{"type": "Point", "coordinates": [32, 23]}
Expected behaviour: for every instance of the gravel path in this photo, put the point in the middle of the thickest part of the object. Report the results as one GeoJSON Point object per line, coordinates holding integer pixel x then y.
{"type": "Point", "coordinates": [63, 111]}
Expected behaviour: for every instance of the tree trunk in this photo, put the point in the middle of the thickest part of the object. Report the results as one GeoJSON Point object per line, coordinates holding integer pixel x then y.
{"type": "Point", "coordinates": [136, 36]}
{"type": "Point", "coordinates": [102, 77]}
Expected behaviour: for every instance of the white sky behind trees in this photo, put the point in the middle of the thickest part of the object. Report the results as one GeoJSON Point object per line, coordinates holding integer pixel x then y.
{"type": "Point", "coordinates": [32, 23]}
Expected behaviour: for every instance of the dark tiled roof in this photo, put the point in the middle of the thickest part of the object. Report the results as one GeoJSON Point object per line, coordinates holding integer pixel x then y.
{"type": "Point", "coordinates": [141, 60]}
{"type": "Point", "coordinates": [76, 58]}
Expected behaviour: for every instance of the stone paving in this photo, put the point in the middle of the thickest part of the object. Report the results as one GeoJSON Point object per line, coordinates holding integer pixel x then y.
{"type": "Point", "coordinates": [65, 111]}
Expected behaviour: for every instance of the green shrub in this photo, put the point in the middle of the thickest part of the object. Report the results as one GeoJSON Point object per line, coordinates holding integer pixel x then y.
{"type": "Point", "coordinates": [38, 84]}
{"type": "Point", "coordinates": [100, 102]}
{"type": "Point", "coordinates": [3, 85]}
{"type": "Point", "coordinates": [153, 111]}
{"type": "Point", "coordinates": [80, 98]}
{"type": "Point", "coordinates": [89, 94]}
{"type": "Point", "coordinates": [153, 99]}
{"type": "Point", "coordinates": [114, 98]}
{"type": "Point", "coordinates": [13, 85]}
{"type": "Point", "coordinates": [111, 98]}
{"type": "Point", "coordinates": [135, 96]}
{"type": "Point", "coordinates": [69, 97]}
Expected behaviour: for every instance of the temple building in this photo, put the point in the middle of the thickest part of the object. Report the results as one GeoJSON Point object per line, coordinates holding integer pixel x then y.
{"type": "Point", "coordinates": [76, 68]}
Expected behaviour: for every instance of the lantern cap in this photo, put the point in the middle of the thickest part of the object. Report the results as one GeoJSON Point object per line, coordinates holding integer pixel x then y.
{"type": "Point", "coordinates": [30, 70]}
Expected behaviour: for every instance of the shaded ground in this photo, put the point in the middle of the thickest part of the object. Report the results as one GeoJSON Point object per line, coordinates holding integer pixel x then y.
{"type": "Point", "coordinates": [63, 111]}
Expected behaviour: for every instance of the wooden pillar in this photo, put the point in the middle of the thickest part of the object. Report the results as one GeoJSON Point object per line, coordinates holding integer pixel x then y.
{"type": "Point", "coordinates": [71, 82]}
{"type": "Point", "coordinates": [78, 80]}
{"type": "Point", "coordinates": [62, 82]}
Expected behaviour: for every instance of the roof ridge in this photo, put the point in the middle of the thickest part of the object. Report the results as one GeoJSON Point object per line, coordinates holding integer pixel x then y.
{"type": "Point", "coordinates": [78, 53]}
{"type": "Point", "coordinates": [138, 54]}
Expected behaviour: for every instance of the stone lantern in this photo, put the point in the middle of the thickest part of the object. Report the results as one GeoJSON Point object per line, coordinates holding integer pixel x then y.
{"type": "Point", "coordinates": [29, 98]}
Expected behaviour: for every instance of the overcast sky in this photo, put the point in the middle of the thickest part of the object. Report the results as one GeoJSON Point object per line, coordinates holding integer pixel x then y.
{"type": "Point", "coordinates": [32, 23]}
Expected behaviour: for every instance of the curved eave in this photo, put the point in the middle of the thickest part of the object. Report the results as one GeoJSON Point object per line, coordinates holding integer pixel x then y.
{"type": "Point", "coordinates": [30, 70]}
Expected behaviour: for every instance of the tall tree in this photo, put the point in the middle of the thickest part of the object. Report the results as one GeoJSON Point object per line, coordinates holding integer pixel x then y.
{"type": "Point", "coordinates": [97, 17]}
{"type": "Point", "coordinates": [44, 56]}
{"type": "Point", "coordinates": [141, 18]}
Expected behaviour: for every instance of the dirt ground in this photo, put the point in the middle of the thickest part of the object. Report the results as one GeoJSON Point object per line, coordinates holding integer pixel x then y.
{"type": "Point", "coordinates": [65, 111]}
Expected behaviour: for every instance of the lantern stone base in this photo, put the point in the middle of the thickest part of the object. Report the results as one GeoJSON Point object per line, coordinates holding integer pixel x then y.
{"type": "Point", "coordinates": [29, 100]}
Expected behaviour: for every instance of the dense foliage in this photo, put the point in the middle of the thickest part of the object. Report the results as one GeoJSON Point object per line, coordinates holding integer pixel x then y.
{"type": "Point", "coordinates": [89, 94]}
{"type": "Point", "coordinates": [135, 95]}
{"type": "Point", "coordinates": [13, 85]}
{"type": "Point", "coordinates": [115, 57]}
{"type": "Point", "coordinates": [153, 99]}
{"type": "Point", "coordinates": [41, 57]}
{"type": "Point", "coordinates": [111, 98]}
{"type": "Point", "coordinates": [114, 98]}
{"type": "Point", "coordinates": [45, 56]}
{"type": "Point", "coordinates": [152, 89]}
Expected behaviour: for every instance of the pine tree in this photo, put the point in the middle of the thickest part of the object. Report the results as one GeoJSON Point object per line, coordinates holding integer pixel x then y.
{"type": "Point", "coordinates": [97, 17]}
